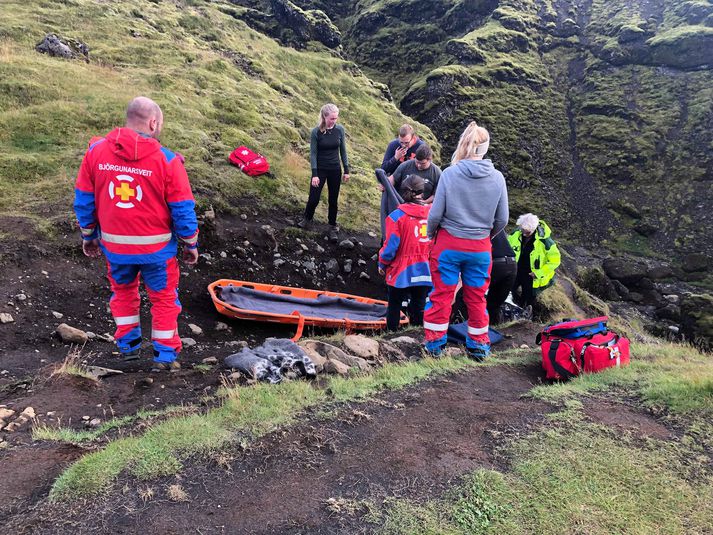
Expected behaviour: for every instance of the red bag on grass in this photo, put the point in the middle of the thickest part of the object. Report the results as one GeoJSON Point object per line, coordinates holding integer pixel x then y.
{"type": "Point", "coordinates": [251, 163]}
{"type": "Point", "coordinates": [572, 347]}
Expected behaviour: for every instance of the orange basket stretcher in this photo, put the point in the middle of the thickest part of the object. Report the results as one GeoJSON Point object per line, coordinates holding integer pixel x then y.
{"type": "Point", "coordinates": [295, 317]}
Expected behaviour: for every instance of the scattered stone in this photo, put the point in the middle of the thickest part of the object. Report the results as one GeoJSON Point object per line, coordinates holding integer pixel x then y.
{"type": "Point", "coordinates": [6, 414]}
{"type": "Point", "coordinates": [404, 340]}
{"type": "Point", "coordinates": [372, 234]}
{"type": "Point", "coordinates": [195, 329]}
{"type": "Point", "coordinates": [237, 343]}
{"type": "Point", "coordinates": [71, 335]}
{"type": "Point", "coordinates": [320, 249]}
{"type": "Point", "coordinates": [332, 266]}
{"type": "Point", "coordinates": [278, 262]}
{"type": "Point", "coordinates": [346, 244]}
{"type": "Point", "coordinates": [304, 247]}
{"type": "Point", "coordinates": [347, 266]}
{"type": "Point", "coordinates": [211, 361]}
{"type": "Point", "coordinates": [106, 337]}
{"type": "Point", "coordinates": [223, 254]}
{"type": "Point", "coordinates": [85, 418]}
{"type": "Point", "coordinates": [21, 297]}
{"type": "Point", "coordinates": [146, 381]}
{"type": "Point", "coordinates": [98, 371]}
{"type": "Point", "coordinates": [6, 318]}
{"type": "Point", "coordinates": [57, 315]}
{"type": "Point", "coordinates": [244, 217]}
{"type": "Point", "coordinates": [364, 275]}
{"type": "Point", "coordinates": [673, 329]}
{"type": "Point", "coordinates": [94, 422]}
{"type": "Point", "coordinates": [361, 262]}
{"type": "Point", "coordinates": [220, 326]}
{"type": "Point", "coordinates": [91, 335]}
{"type": "Point", "coordinates": [524, 346]}
{"type": "Point", "coordinates": [672, 298]}
{"type": "Point", "coordinates": [309, 266]}
{"type": "Point", "coordinates": [188, 342]}
{"type": "Point", "coordinates": [362, 346]}
{"type": "Point", "coordinates": [235, 377]}
{"type": "Point", "coordinates": [336, 367]}
{"type": "Point", "coordinates": [209, 214]}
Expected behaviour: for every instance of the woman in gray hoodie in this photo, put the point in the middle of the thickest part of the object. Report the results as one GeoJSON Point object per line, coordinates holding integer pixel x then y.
{"type": "Point", "coordinates": [470, 206]}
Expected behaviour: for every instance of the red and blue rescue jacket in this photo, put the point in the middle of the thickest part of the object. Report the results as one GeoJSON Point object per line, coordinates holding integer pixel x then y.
{"type": "Point", "coordinates": [404, 255]}
{"type": "Point", "coordinates": [134, 195]}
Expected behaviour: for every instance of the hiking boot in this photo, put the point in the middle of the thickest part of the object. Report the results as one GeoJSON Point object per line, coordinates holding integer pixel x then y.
{"type": "Point", "coordinates": [172, 366]}
{"type": "Point", "coordinates": [478, 353]}
{"type": "Point", "coordinates": [305, 224]}
{"type": "Point", "coordinates": [435, 348]}
{"type": "Point", "coordinates": [333, 233]}
{"type": "Point", "coordinates": [130, 355]}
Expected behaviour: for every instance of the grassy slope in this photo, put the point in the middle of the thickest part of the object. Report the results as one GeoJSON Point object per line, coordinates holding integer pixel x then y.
{"type": "Point", "coordinates": [181, 54]}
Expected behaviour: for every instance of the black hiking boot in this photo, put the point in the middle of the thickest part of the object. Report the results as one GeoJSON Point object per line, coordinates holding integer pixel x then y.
{"type": "Point", "coordinates": [333, 233]}
{"type": "Point", "coordinates": [131, 355]}
{"type": "Point", "coordinates": [305, 224]}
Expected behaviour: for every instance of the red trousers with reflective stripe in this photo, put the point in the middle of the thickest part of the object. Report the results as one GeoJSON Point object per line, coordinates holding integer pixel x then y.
{"type": "Point", "coordinates": [470, 261]}
{"type": "Point", "coordinates": [161, 282]}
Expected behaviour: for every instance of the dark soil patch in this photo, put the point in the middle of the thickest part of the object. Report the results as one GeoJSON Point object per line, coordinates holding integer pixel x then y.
{"type": "Point", "coordinates": [627, 419]}
{"type": "Point", "coordinates": [411, 444]}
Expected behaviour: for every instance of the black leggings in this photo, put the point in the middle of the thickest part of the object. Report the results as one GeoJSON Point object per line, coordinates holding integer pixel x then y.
{"type": "Point", "coordinates": [502, 277]}
{"type": "Point", "coordinates": [333, 178]}
{"type": "Point", "coordinates": [527, 297]}
{"type": "Point", "coordinates": [417, 303]}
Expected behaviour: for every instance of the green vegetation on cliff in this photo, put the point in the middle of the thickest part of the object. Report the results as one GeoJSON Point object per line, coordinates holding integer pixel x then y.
{"type": "Point", "coordinates": [220, 83]}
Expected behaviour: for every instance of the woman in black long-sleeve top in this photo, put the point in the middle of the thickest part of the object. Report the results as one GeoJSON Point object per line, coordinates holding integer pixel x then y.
{"type": "Point", "coordinates": [327, 148]}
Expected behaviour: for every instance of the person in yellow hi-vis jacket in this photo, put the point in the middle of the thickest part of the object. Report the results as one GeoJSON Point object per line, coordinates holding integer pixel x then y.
{"type": "Point", "coordinates": [537, 258]}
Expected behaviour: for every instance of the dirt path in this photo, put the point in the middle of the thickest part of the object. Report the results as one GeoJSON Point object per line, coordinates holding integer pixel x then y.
{"type": "Point", "coordinates": [410, 444]}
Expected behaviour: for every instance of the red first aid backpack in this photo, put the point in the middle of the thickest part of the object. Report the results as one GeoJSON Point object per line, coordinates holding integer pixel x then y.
{"type": "Point", "coordinates": [572, 347]}
{"type": "Point", "coordinates": [251, 163]}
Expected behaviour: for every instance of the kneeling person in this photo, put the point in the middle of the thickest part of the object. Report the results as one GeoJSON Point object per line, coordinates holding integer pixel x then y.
{"type": "Point", "coordinates": [404, 256]}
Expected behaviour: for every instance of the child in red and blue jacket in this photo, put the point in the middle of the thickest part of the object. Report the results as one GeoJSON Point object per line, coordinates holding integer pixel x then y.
{"type": "Point", "coordinates": [404, 256]}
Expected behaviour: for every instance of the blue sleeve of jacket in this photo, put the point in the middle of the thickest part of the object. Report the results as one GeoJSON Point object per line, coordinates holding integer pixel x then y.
{"type": "Point", "coordinates": [390, 163]}
{"type": "Point", "coordinates": [393, 239]}
{"type": "Point", "coordinates": [84, 201]}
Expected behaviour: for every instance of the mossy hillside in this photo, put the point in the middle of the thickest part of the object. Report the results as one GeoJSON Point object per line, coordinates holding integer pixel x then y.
{"type": "Point", "coordinates": [220, 84]}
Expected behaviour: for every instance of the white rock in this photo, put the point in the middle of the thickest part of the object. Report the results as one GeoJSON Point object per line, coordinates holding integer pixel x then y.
{"type": "Point", "coordinates": [404, 340]}
{"type": "Point", "coordinates": [57, 315]}
{"type": "Point", "coordinates": [220, 326]}
{"type": "Point", "coordinates": [360, 345]}
{"type": "Point", "coordinates": [195, 329]}
{"type": "Point", "coordinates": [188, 342]}
{"type": "Point", "coordinates": [6, 413]}
{"type": "Point", "coordinates": [71, 335]}
{"type": "Point", "coordinates": [211, 361]}
{"type": "Point", "coordinates": [21, 297]}
{"type": "Point", "coordinates": [95, 422]}
{"type": "Point", "coordinates": [364, 275]}
{"type": "Point", "coordinates": [29, 412]}
{"type": "Point", "coordinates": [524, 346]}
{"type": "Point", "coordinates": [223, 254]}
{"type": "Point", "coordinates": [6, 318]}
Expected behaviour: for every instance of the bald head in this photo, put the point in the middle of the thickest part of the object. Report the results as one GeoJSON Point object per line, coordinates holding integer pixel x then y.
{"type": "Point", "coordinates": [145, 116]}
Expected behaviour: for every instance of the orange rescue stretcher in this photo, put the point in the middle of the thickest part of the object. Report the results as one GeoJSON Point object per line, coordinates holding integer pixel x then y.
{"type": "Point", "coordinates": [295, 317]}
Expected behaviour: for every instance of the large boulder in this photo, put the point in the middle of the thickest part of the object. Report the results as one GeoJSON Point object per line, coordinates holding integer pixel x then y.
{"type": "Point", "coordinates": [308, 25]}
{"type": "Point", "coordinates": [697, 318]}
{"type": "Point", "coordinates": [360, 345]}
{"type": "Point", "coordinates": [597, 283]}
{"type": "Point", "coordinates": [696, 262]}
{"type": "Point", "coordinates": [63, 48]}
{"type": "Point", "coordinates": [628, 272]}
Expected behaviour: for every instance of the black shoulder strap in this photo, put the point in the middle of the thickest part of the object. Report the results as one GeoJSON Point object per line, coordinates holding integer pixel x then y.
{"type": "Point", "coordinates": [552, 355]}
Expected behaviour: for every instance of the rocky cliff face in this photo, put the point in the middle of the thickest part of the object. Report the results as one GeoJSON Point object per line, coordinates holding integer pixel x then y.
{"type": "Point", "coordinates": [601, 112]}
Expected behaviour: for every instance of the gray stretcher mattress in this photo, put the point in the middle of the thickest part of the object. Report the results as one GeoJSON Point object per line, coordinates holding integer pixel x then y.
{"type": "Point", "coordinates": [323, 306]}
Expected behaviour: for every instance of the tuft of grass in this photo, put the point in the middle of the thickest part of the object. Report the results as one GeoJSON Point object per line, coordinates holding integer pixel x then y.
{"type": "Point", "coordinates": [176, 493]}
{"type": "Point", "coordinates": [72, 365]}
{"type": "Point", "coordinates": [245, 413]}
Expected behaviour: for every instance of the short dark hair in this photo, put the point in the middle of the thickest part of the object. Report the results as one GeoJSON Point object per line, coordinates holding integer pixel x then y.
{"type": "Point", "coordinates": [424, 152]}
{"type": "Point", "coordinates": [411, 187]}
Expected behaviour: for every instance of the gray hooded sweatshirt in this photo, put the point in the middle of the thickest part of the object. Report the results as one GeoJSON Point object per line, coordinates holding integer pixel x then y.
{"type": "Point", "coordinates": [471, 201]}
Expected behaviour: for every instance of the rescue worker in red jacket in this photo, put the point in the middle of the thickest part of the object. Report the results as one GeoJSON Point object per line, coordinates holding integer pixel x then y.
{"type": "Point", "coordinates": [404, 256]}
{"type": "Point", "coordinates": [134, 203]}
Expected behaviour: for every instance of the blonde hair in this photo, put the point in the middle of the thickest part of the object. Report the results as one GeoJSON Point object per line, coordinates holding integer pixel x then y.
{"type": "Point", "coordinates": [528, 222]}
{"type": "Point", "coordinates": [326, 110]}
{"type": "Point", "coordinates": [472, 138]}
